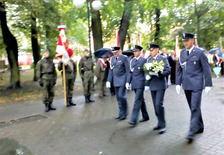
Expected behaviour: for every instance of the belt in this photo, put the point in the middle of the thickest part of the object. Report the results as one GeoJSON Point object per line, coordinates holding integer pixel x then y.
{"type": "Point", "coordinates": [50, 73]}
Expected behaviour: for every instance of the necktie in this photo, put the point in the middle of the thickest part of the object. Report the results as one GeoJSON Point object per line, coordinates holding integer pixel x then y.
{"type": "Point", "coordinates": [187, 53]}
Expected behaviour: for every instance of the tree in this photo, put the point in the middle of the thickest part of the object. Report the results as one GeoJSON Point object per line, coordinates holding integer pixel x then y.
{"type": "Point", "coordinates": [11, 48]}
{"type": "Point", "coordinates": [125, 21]}
{"type": "Point", "coordinates": [96, 28]}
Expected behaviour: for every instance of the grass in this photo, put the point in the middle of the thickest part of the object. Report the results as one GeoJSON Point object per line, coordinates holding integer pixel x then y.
{"type": "Point", "coordinates": [30, 90]}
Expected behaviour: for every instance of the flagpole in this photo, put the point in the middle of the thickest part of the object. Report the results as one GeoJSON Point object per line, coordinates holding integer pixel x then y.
{"type": "Point", "coordinates": [64, 83]}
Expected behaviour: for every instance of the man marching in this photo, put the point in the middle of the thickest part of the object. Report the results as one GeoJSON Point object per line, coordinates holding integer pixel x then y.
{"type": "Point", "coordinates": [137, 79]}
{"type": "Point", "coordinates": [194, 74]}
{"type": "Point", "coordinates": [118, 73]}
{"type": "Point", "coordinates": [158, 85]}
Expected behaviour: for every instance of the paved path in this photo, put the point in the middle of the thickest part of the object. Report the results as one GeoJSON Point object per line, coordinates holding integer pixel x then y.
{"type": "Point", "coordinates": [89, 129]}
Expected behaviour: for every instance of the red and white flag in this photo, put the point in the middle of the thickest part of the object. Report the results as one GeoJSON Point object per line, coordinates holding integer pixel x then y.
{"type": "Point", "coordinates": [177, 48]}
{"type": "Point", "coordinates": [117, 37]}
{"type": "Point", "coordinates": [61, 50]}
{"type": "Point", "coordinates": [196, 41]}
{"type": "Point", "coordinates": [139, 39]}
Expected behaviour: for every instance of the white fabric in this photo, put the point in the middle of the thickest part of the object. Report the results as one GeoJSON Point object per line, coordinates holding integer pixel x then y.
{"type": "Point", "coordinates": [178, 89]}
{"type": "Point", "coordinates": [107, 84]}
{"type": "Point", "coordinates": [153, 73]}
{"type": "Point", "coordinates": [147, 77]}
{"type": "Point", "coordinates": [127, 86]}
{"type": "Point", "coordinates": [146, 88]}
{"type": "Point", "coordinates": [207, 90]}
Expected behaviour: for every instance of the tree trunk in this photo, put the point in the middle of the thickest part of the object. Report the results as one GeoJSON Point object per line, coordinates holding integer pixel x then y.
{"type": "Point", "coordinates": [198, 22]}
{"type": "Point", "coordinates": [158, 13]}
{"type": "Point", "coordinates": [11, 49]}
{"type": "Point", "coordinates": [96, 28]}
{"type": "Point", "coordinates": [34, 42]}
{"type": "Point", "coordinates": [125, 22]}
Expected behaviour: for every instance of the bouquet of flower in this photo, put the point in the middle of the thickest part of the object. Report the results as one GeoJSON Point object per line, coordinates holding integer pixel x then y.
{"type": "Point", "coordinates": [153, 67]}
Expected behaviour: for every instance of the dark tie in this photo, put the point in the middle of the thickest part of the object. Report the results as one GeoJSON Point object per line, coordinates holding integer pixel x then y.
{"type": "Point", "coordinates": [187, 53]}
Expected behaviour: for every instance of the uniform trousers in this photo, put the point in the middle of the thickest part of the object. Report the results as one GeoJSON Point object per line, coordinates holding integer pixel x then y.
{"type": "Point", "coordinates": [139, 104]}
{"type": "Point", "coordinates": [194, 102]}
{"type": "Point", "coordinates": [158, 98]}
{"type": "Point", "coordinates": [48, 91]}
{"type": "Point", "coordinates": [121, 95]}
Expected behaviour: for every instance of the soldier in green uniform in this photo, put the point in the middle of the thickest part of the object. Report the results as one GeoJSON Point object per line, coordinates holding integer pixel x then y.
{"type": "Point", "coordinates": [70, 76]}
{"type": "Point", "coordinates": [86, 73]}
{"type": "Point", "coordinates": [47, 79]}
{"type": "Point", "coordinates": [100, 73]}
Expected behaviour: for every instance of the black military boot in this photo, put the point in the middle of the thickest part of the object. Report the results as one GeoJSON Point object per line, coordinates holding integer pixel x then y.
{"type": "Point", "coordinates": [51, 107]}
{"type": "Point", "coordinates": [87, 99]}
{"type": "Point", "coordinates": [46, 107]}
{"type": "Point", "coordinates": [90, 99]}
{"type": "Point", "coordinates": [71, 102]}
{"type": "Point", "coordinates": [68, 102]}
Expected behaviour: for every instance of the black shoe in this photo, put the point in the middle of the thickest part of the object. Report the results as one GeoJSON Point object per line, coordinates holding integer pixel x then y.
{"type": "Point", "coordinates": [199, 131]}
{"type": "Point", "coordinates": [68, 104]}
{"type": "Point", "coordinates": [71, 103]}
{"type": "Point", "coordinates": [144, 120]}
{"type": "Point", "coordinates": [117, 117]}
{"type": "Point", "coordinates": [190, 138]}
{"type": "Point", "coordinates": [86, 99]}
{"type": "Point", "coordinates": [156, 127]}
{"type": "Point", "coordinates": [162, 130]}
{"type": "Point", "coordinates": [51, 107]}
{"type": "Point", "coordinates": [112, 94]}
{"type": "Point", "coordinates": [90, 99]}
{"type": "Point", "coordinates": [133, 124]}
{"type": "Point", "coordinates": [47, 108]}
{"type": "Point", "coordinates": [122, 118]}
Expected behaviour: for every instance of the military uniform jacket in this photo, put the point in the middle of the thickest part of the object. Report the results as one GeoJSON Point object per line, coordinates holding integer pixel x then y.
{"type": "Point", "coordinates": [70, 70]}
{"type": "Point", "coordinates": [193, 71]}
{"type": "Point", "coordinates": [46, 69]}
{"type": "Point", "coordinates": [159, 83]}
{"type": "Point", "coordinates": [137, 75]}
{"type": "Point", "coordinates": [119, 71]}
{"type": "Point", "coordinates": [100, 71]}
{"type": "Point", "coordinates": [85, 64]}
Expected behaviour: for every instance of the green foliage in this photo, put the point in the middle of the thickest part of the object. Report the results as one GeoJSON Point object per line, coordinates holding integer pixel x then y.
{"type": "Point", "coordinates": [177, 16]}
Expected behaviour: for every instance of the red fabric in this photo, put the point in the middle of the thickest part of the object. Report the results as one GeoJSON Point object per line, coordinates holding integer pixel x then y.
{"type": "Point", "coordinates": [103, 63]}
{"type": "Point", "coordinates": [70, 52]}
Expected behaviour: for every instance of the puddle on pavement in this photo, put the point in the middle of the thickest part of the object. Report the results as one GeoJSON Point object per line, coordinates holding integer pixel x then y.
{"type": "Point", "coordinates": [22, 120]}
{"type": "Point", "coordinates": [12, 147]}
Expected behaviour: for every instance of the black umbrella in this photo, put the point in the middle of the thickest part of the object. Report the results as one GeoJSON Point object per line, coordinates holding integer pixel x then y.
{"type": "Point", "coordinates": [102, 51]}
{"type": "Point", "coordinates": [128, 52]}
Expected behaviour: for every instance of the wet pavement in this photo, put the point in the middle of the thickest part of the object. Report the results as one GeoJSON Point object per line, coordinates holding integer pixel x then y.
{"type": "Point", "coordinates": [90, 129]}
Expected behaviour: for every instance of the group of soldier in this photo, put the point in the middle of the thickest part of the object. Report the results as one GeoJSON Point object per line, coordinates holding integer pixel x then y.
{"type": "Point", "coordinates": [193, 74]}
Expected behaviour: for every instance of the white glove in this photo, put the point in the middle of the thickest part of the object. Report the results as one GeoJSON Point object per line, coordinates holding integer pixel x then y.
{"type": "Point", "coordinates": [127, 86]}
{"type": "Point", "coordinates": [153, 74]}
{"type": "Point", "coordinates": [178, 89]}
{"type": "Point", "coordinates": [147, 77]}
{"type": "Point", "coordinates": [107, 84]}
{"type": "Point", "coordinates": [146, 88]}
{"type": "Point", "coordinates": [207, 90]}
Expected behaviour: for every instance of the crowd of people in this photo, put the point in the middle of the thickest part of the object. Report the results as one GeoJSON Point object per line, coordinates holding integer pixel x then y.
{"type": "Point", "coordinates": [121, 73]}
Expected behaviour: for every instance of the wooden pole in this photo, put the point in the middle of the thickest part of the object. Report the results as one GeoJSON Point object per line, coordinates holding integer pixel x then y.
{"type": "Point", "coordinates": [64, 83]}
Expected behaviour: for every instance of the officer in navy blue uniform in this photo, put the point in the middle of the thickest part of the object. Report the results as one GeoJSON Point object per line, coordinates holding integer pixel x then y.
{"type": "Point", "coordinates": [137, 79]}
{"type": "Point", "coordinates": [194, 74]}
{"type": "Point", "coordinates": [119, 73]}
{"type": "Point", "coordinates": [158, 85]}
